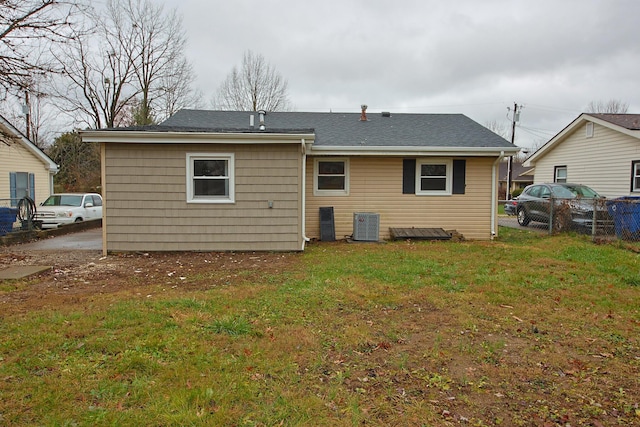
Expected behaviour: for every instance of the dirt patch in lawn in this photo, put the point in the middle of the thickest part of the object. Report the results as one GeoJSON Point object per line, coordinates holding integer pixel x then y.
{"type": "Point", "coordinates": [80, 276]}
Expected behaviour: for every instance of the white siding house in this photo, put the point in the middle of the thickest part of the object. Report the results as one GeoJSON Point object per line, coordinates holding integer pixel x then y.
{"type": "Point", "coordinates": [598, 150]}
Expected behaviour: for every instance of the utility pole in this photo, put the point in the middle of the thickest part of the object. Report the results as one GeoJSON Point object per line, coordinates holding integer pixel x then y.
{"type": "Point", "coordinates": [27, 114]}
{"type": "Point", "coordinates": [515, 119]}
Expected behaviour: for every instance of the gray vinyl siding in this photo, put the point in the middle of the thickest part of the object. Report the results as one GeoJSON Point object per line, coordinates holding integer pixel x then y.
{"type": "Point", "coordinates": [146, 207]}
{"type": "Point", "coordinates": [376, 186]}
{"type": "Point", "coordinates": [602, 162]}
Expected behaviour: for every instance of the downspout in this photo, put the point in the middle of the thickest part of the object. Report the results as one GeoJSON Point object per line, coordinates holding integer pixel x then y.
{"type": "Point", "coordinates": [304, 193]}
{"type": "Point", "coordinates": [494, 193]}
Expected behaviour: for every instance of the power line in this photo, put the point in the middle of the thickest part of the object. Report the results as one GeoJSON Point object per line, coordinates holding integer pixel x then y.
{"type": "Point", "coordinates": [535, 132]}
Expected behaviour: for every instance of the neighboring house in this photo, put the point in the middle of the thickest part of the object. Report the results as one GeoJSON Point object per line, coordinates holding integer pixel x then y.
{"type": "Point", "coordinates": [219, 181]}
{"type": "Point", "coordinates": [520, 177]}
{"type": "Point", "coordinates": [598, 150]}
{"type": "Point", "coordinates": [24, 169]}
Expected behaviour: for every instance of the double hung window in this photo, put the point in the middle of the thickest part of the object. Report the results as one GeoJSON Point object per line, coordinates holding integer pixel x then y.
{"type": "Point", "coordinates": [210, 178]}
{"type": "Point", "coordinates": [560, 174]}
{"type": "Point", "coordinates": [433, 177]}
{"type": "Point", "coordinates": [331, 177]}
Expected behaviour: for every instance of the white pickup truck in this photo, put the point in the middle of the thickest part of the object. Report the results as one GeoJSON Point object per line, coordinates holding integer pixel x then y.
{"type": "Point", "coordinates": [67, 208]}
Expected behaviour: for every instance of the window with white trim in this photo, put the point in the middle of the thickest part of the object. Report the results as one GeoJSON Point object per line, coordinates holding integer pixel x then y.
{"type": "Point", "coordinates": [210, 178]}
{"type": "Point", "coordinates": [635, 176]}
{"type": "Point", "coordinates": [331, 177]}
{"type": "Point", "coordinates": [560, 174]}
{"type": "Point", "coordinates": [433, 177]}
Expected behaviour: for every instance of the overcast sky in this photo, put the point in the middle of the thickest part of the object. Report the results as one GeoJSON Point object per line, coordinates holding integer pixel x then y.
{"type": "Point", "coordinates": [425, 56]}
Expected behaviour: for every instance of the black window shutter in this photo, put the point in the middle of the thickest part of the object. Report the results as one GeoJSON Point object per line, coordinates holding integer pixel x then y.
{"type": "Point", "coordinates": [409, 176]}
{"type": "Point", "coordinates": [459, 172]}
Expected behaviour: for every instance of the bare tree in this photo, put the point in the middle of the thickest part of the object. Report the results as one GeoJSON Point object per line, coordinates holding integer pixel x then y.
{"type": "Point", "coordinates": [613, 106]}
{"type": "Point", "coordinates": [96, 89]}
{"type": "Point", "coordinates": [130, 68]}
{"type": "Point", "coordinates": [176, 90]}
{"type": "Point", "coordinates": [28, 31]}
{"type": "Point", "coordinates": [255, 86]}
{"type": "Point", "coordinates": [161, 73]}
{"type": "Point", "coordinates": [39, 115]}
{"type": "Point", "coordinates": [498, 128]}
{"type": "Point", "coordinates": [32, 112]}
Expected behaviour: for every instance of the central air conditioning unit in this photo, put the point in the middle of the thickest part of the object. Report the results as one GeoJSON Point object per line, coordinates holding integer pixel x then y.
{"type": "Point", "coordinates": [366, 226]}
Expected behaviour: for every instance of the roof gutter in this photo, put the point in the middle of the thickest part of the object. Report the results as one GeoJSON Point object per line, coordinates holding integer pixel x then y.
{"type": "Point", "coordinates": [411, 151]}
{"type": "Point", "coordinates": [494, 193]}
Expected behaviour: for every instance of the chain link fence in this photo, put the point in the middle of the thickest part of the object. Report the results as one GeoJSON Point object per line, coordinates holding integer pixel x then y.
{"type": "Point", "coordinates": [625, 213]}
{"type": "Point", "coordinates": [608, 219]}
{"type": "Point", "coordinates": [17, 215]}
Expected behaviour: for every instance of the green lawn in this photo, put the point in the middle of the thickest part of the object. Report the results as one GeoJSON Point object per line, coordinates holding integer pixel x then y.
{"type": "Point", "coordinates": [525, 330]}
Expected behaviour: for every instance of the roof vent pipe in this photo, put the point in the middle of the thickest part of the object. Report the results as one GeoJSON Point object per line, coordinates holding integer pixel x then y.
{"type": "Point", "coordinates": [252, 120]}
{"type": "Point", "coordinates": [386, 114]}
{"type": "Point", "coordinates": [262, 113]}
{"type": "Point", "coordinates": [363, 115]}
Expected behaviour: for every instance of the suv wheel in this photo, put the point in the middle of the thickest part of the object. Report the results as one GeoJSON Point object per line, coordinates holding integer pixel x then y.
{"type": "Point", "coordinates": [523, 218]}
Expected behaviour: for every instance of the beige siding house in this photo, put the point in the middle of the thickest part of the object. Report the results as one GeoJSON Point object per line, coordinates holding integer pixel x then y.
{"type": "Point", "coordinates": [240, 181]}
{"type": "Point", "coordinates": [376, 186]}
{"type": "Point", "coordinates": [24, 169]}
{"type": "Point", "coordinates": [598, 150]}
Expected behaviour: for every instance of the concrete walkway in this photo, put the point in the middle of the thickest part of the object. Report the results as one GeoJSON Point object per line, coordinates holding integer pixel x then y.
{"type": "Point", "coordinates": [20, 271]}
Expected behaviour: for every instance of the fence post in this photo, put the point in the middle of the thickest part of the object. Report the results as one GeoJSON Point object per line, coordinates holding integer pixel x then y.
{"type": "Point", "coordinates": [551, 206]}
{"type": "Point", "coordinates": [594, 224]}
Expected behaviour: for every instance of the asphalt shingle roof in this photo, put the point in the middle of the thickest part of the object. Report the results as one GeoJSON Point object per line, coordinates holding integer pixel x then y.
{"type": "Point", "coordinates": [628, 121]}
{"type": "Point", "coordinates": [346, 129]}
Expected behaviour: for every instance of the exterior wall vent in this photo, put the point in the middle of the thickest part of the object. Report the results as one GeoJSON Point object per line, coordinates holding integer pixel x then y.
{"type": "Point", "coordinates": [589, 129]}
{"type": "Point", "coordinates": [366, 226]}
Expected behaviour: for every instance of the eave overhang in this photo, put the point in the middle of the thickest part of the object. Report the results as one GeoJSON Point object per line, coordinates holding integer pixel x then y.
{"type": "Point", "coordinates": [146, 137]}
{"type": "Point", "coordinates": [411, 151]}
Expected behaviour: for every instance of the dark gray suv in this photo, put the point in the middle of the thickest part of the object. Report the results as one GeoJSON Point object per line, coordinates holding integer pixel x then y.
{"type": "Point", "coordinates": [564, 205]}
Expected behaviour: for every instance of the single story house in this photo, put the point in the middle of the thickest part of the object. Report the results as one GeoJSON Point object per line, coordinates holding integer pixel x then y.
{"type": "Point", "coordinates": [598, 150]}
{"type": "Point", "coordinates": [25, 170]}
{"type": "Point", "coordinates": [245, 181]}
{"type": "Point", "coordinates": [520, 177]}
